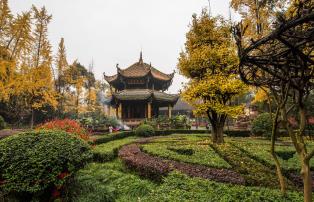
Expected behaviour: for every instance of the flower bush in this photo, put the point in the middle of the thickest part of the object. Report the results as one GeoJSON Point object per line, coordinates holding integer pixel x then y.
{"type": "Point", "coordinates": [40, 162]}
{"type": "Point", "coordinates": [67, 125]}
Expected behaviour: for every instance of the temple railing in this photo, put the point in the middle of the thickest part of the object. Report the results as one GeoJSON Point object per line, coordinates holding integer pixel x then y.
{"type": "Point", "coordinates": [133, 121]}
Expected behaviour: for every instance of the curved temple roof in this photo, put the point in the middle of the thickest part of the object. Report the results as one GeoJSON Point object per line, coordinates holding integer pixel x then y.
{"type": "Point", "coordinates": [140, 70]}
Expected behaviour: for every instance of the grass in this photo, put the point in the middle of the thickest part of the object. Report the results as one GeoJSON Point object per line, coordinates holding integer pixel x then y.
{"type": "Point", "coordinates": [108, 151]}
{"type": "Point", "coordinates": [254, 172]}
{"type": "Point", "coordinates": [188, 149]}
{"type": "Point", "coordinates": [260, 150]}
{"type": "Point", "coordinates": [111, 181]}
{"type": "Point", "coordinates": [100, 182]}
{"type": "Point", "coordinates": [178, 187]}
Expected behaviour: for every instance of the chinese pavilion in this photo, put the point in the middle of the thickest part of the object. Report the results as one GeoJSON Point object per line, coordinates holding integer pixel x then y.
{"type": "Point", "coordinates": [138, 92]}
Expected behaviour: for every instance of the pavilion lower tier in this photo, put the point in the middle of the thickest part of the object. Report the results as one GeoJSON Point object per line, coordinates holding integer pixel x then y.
{"type": "Point", "coordinates": [133, 112]}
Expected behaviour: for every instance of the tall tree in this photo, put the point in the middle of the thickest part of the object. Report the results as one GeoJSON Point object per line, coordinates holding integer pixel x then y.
{"type": "Point", "coordinates": [210, 62]}
{"type": "Point", "coordinates": [258, 15]}
{"type": "Point", "coordinates": [40, 67]}
{"type": "Point", "coordinates": [78, 78]}
{"type": "Point", "coordinates": [5, 21]}
{"type": "Point", "coordinates": [90, 86]}
{"type": "Point", "coordinates": [61, 82]}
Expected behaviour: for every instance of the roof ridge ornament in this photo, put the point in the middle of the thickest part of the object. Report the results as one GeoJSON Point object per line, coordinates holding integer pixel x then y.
{"type": "Point", "coordinates": [141, 57]}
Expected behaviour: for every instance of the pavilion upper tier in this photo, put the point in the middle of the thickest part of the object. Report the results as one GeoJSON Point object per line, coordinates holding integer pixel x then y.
{"type": "Point", "coordinates": [140, 75]}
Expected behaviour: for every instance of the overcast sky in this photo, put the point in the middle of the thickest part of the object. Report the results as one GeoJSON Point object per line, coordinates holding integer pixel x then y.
{"type": "Point", "coordinates": [114, 31]}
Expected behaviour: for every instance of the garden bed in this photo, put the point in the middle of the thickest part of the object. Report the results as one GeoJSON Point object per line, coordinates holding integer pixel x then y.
{"type": "Point", "coordinates": [155, 167]}
{"type": "Point", "coordinates": [172, 179]}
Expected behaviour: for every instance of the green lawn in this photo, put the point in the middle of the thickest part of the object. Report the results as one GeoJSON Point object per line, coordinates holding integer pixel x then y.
{"type": "Point", "coordinates": [109, 179]}
{"type": "Point", "coordinates": [101, 182]}
{"type": "Point", "coordinates": [187, 149]}
{"type": "Point", "coordinates": [260, 150]}
{"type": "Point", "coordinates": [108, 151]}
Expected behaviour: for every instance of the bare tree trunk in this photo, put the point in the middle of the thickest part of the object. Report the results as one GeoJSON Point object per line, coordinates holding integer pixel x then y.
{"type": "Point", "coordinates": [301, 150]}
{"type": "Point", "coordinates": [217, 122]}
{"type": "Point", "coordinates": [277, 163]}
{"type": "Point", "coordinates": [32, 119]}
{"type": "Point", "coordinates": [217, 133]}
{"type": "Point", "coordinates": [306, 171]}
{"type": "Point", "coordinates": [307, 179]}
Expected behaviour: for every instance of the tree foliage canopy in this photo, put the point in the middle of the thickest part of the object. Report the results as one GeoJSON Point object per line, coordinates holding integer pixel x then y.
{"type": "Point", "coordinates": [210, 62]}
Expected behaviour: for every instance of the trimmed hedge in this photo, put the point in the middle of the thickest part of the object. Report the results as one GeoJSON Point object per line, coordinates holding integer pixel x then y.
{"type": "Point", "coordinates": [156, 168]}
{"type": "Point", "coordinates": [124, 134]}
{"type": "Point", "coordinates": [231, 133]}
{"type": "Point", "coordinates": [109, 151]}
{"type": "Point", "coordinates": [179, 131]}
{"type": "Point", "coordinates": [238, 133]}
{"type": "Point", "coordinates": [36, 162]}
{"type": "Point", "coordinates": [113, 136]}
{"type": "Point", "coordinates": [145, 130]}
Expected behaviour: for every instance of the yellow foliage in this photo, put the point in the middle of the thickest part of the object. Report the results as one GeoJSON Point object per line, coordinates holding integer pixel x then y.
{"type": "Point", "coordinates": [215, 92]}
{"type": "Point", "coordinates": [260, 95]}
{"type": "Point", "coordinates": [210, 61]}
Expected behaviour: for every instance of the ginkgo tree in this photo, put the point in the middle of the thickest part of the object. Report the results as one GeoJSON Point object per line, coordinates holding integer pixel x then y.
{"type": "Point", "coordinates": [210, 62]}
{"type": "Point", "coordinates": [26, 81]}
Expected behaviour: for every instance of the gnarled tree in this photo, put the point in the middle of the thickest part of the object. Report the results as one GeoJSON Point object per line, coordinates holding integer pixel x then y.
{"type": "Point", "coordinates": [284, 62]}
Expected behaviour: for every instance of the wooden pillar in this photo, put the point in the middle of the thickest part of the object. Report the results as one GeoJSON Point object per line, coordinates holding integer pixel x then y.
{"type": "Point", "coordinates": [109, 110]}
{"type": "Point", "coordinates": [149, 110]}
{"type": "Point", "coordinates": [169, 110]}
{"type": "Point", "coordinates": [120, 111]}
{"type": "Point", "coordinates": [117, 111]}
{"type": "Point", "coordinates": [129, 111]}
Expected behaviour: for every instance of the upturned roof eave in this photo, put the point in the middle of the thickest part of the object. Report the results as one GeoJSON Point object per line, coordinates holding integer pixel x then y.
{"type": "Point", "coordinates": [141, 95]}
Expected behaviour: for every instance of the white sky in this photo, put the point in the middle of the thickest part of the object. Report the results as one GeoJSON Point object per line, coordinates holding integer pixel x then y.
{"type": "Point", "coordinates": [114, 31]}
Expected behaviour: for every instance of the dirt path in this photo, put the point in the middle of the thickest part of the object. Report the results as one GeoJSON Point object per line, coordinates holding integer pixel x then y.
{"type": "Point", "coordinates": [8, 132]}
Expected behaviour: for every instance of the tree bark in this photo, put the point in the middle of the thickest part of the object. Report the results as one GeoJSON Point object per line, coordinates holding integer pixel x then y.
{"type": "Point", "coordinates": [32, 119]}
{"type": "Point", "coordinates": [217, 133]}
{"type": "Point", "coordinates": [307, 180]}
{"type": "Point", "coordinates": [301, 150]}
{"type": "Point", "coordinates": [277, 163]}
{"type": "Point", "coordinates": [217, 122]}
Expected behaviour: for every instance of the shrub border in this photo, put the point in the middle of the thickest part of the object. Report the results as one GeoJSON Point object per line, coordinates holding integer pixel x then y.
{"type": "Point", "coordinates": [124, 134]}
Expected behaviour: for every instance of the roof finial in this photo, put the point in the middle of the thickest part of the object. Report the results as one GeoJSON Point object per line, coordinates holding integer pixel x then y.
{"type": "Point", "coordinates": [209, 9]}
{"type": "Point", "coordinates": [141, 57]}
